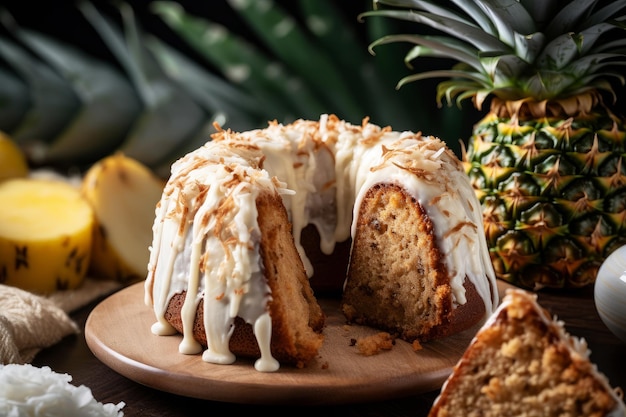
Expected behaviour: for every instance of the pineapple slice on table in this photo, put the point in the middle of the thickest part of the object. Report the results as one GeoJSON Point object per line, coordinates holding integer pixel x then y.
{"type": "Point", "coordinates": [548, 160]}
{"type": "Point", "coordinates": [45, 235]}
{"type": "Point", "coordinates": [123, 193]}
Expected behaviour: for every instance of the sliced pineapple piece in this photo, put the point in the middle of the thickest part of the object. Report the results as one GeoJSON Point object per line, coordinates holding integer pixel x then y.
{"type": "Point", "coordinates": [123, 193]}
{"type": "Point", "coordinates": [45, 235]}
{"type": "Point", "coordinates": [13, 162]}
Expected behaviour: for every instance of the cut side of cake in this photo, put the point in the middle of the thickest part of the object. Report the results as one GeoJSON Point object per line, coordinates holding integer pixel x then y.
{"type": "Point", "coordinates": [522, 362]}
{"type": "Point", "coordinates": [408, 294]}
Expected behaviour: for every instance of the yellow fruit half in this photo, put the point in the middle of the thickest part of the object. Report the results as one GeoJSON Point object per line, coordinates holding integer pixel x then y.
{"type": "Point", "coordinates": [45, 235]}
{"type": "Point", "coordinates": [13, 163]}
{"type": "Point", "coordinates": [123, 193]}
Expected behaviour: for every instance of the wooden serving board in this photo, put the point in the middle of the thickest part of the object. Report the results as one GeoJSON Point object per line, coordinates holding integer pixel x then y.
{"type": "Point", "coordinates": [118, 333]}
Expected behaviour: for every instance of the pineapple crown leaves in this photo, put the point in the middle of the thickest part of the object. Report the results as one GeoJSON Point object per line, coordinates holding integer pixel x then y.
{"type": "Point", "coordinates": [512, 49]}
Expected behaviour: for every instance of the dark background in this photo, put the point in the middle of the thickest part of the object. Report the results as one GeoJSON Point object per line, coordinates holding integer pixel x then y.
{"type": "Point", "coordinates": [62, 20]}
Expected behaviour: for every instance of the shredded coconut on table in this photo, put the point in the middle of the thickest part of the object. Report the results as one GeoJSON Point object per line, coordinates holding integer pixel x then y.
{"type": "Point", "coordinates": [29, 391]}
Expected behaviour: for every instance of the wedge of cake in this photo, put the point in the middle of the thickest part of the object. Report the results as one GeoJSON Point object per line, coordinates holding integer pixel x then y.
{"type": "Point", "coordinates": [522, 362]}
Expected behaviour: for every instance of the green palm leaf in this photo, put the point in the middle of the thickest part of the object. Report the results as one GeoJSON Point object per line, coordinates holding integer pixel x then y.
{"type": "Point", "coordinates": [365, 80]}
{"type": "Point", "coordinates": [13, 100]}
{"type": "Point", "coordinates": [52, 100]}
{"type": "Point", "coordinates": [242, 63]}
{"type": "Point", "coordinates": [108, 103]}
{"type": "Point", "coordinates": [281, 34]}
{"type": "Point", "coordinates": [169, 115]}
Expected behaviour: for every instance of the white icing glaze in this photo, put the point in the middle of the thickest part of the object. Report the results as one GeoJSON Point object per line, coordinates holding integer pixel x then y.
{"type": "Point", "coordinates": [206, 233]}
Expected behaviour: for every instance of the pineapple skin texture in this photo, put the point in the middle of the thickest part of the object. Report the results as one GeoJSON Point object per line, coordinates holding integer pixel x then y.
{"type": "Point", "coordinates": [553, 193]}
{"type": "Point", "coordinates": [45, 235]}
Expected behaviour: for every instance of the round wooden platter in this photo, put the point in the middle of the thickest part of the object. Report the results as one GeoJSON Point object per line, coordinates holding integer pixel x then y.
{"type": "Point", "coordinates": [118, 333]}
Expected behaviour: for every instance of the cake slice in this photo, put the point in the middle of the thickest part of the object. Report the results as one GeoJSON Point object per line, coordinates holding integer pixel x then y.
{"type": "Point", "coordinates": [523, 363]}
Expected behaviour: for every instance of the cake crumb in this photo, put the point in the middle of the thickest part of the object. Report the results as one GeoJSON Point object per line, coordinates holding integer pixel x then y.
{"type": "Point", "coordinates": [372, 345]}
{"type": "Point", "coordinates": [416, 345]}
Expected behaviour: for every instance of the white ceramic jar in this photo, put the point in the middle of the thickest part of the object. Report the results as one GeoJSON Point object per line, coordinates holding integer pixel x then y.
{"type": "Point", "coordinates": [610, 292]}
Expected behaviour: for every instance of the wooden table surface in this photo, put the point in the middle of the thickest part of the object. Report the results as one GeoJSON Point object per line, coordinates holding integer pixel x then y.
{"type": "Point", "coordinates": [72, 356]}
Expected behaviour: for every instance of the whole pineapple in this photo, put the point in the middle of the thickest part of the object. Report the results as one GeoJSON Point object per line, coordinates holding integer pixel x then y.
{"type": "Point", "coordinates": [548, 161]}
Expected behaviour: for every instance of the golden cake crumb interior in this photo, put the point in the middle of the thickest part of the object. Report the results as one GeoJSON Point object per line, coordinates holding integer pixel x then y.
{"type": "Point", "coordinates": [406, 293]}
{"type": "Point", "coordinates": [523, 364]}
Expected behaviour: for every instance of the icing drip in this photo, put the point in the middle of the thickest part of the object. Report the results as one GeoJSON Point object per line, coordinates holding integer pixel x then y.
{"type": "Point", "coordinates": [206, 233]}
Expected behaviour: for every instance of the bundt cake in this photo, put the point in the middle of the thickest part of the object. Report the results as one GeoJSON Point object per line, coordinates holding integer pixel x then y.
{"type": "Point", "coordinates": [523, 363]}
{"type": "Point", "coordinates": [229, 265]}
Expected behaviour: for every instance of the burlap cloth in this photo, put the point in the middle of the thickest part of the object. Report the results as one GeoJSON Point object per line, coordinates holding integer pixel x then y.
{"type": "Point", "coordinates": [30, 323]}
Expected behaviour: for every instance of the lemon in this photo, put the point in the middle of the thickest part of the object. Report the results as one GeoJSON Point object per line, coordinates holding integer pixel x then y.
{"type": "Point", "coordinates": [13, 162]}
